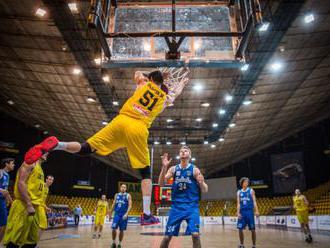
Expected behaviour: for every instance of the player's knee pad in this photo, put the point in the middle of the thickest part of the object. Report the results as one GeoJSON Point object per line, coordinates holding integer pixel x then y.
{"type": "Point", "coordinates": [145, 172]}
{"type": "Point", "coordinates": [85, 149]}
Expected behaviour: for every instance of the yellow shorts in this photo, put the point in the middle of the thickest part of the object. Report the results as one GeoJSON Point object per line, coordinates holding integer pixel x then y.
{"type": "Point", "coordinates": [303, 216]}
{"type": "Point", "coordinates": [124, 132]}
{"type": "Point", "coordinates": [99, 220]}
{"type": "Point", "coordinates": [21, 228]}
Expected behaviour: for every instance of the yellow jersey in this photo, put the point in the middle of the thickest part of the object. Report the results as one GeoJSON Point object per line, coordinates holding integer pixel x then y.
{"type": "Point", "coordinates": [147, 102]}
{"type": "Point", "coordinates": [299, 203]}
{"type": "Point", "coordinates": [102, 207]}
{"type": "Point", "coordinates": [35, 185]}
{"type": "Point", "coordinates": [46, 191]}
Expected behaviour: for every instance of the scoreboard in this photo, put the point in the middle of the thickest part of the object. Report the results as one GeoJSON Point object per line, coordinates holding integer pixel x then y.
{"type": "Point", "coordinates": [162, 195]}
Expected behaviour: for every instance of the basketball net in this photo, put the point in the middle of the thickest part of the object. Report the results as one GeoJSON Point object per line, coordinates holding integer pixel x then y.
{"type": "Point", "coordinates": [175, 79]}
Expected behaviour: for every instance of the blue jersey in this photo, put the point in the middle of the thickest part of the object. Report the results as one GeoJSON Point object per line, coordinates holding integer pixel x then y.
{"type": "Point", "coordinates": [4, 181]}
{"type": "Point", "coordinates": [245, 199]}
{"type": "Point", "coordinates": [121, 204]}
{"type": "Point", "coordinates": [185, 188]}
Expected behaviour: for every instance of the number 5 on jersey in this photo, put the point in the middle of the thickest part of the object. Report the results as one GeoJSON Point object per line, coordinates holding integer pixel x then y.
{"type": "Point", "coordinates": [148, 100]}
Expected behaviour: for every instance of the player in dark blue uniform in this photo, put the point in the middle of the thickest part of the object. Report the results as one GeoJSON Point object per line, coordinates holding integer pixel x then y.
{"type": "Point", "coordinates": [187, 184]}
{"type": "Point", "coordinates": [121, 205]}
{"type": "Point", "coordinates": [246, 205]}
{"type": "Point", "coordinates": [7, 165]}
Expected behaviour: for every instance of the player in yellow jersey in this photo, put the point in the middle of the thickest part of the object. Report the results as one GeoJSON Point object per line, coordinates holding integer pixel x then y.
{"type": "Point", "coordinates": [27, 214]}
{"type": "Point", "coordinates": [101, 211]}
{"type": "Point", "coordinates": [300, 204]}
{"type": "Point", "coordinates": [127, 130]}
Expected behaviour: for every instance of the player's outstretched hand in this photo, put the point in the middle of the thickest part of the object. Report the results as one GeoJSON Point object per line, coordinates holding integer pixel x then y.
{"type": "Point", "coordinates": [166, 160]}
{"type": "Point", "coordinates": [200, 179]}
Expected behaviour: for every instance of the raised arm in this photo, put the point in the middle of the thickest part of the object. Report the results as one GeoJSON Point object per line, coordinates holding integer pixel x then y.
{"type": "Point", "coordinates": [255, 202]}
{"type": "Point", "coordinates": [164, 173]}
{"type": "Point", "coordinates": [129, 206]}
{"type": "Point", "coordinates": [139, 78]}
{"type": "Point", "coordinates": [306, 201]}
{"type": "Point", "coordinates": [23, 174]}
{"type": "Point", "coordinates": [200, 179]}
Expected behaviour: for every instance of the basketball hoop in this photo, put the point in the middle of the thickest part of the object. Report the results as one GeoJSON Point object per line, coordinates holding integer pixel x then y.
{"type": "Point", "coordinates": [175, 79]}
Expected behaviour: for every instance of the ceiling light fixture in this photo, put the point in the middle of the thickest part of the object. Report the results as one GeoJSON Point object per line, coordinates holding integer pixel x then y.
{"type": "Point", "coordinates": [73, 7]}
{"type": "Point", "coordinates": [309, 18]}
{"type": "Point", "coordinates": [215, 125]}
{"type": "Point", "coordinates": [205, 104]}
{"type": "Point", "coordinates": [228, 98]}
{"type": "Point", "coordinates": [91, 99]}
{"type": "Point", "coordinates": [106, 79]}
{"type": "Point", "coordinates": [222, 111]}
{"type": "Point", "coordinates": [76, 71]}
{"type": "Point", "coordinates": [198, 87]}
{"type": "Point", "coordinates": [40, 12]}
{"type": "Point", "coordinates": [199, 119]}
{"type": "Point", "coordinates": [264, 27]}
{"type": "Point", "coordinates": [232, 125]}
{"type": "Point", "coordinates": [247, 102]}
{"type": "Point", "coordinates": [10, 102]}
{"type": "Point", "coordinates": [221, 139]}
{"type": "Point", "coordinates": [245, 67]}
{"type": "Point", "coordinates": [115, 103]}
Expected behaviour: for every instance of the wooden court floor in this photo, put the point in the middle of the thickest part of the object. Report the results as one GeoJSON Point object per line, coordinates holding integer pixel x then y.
{"type": "Point", "coordinates": [212, 236]}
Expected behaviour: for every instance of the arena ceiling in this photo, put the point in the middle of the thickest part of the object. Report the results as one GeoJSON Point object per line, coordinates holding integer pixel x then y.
{"type": "Point", "coordinates": [49, 79]}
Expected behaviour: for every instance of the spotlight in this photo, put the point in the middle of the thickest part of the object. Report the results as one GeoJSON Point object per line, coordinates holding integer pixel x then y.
{"type": "Point", "coordinates": [104, 123]}
{"type": "Point", "coordinates": [193, 159]}
{"type": "Point", "coordinates": [264, 27]}
{"type": "Point", "coordinates": [198, 87]}
{"type": "Point", "coordinates": [183, 143]}
{"type": "Point", "coordinates": [41, 12]}
{"type": "Point", "coordinates": [309, 18]}
{"type": "Point", "coordinates": [245, 67]}
{"type": "Point", "coordinates": [177, 157]}
{"type": "Point", "coordinates": [106, 79]}
{"type": "Point", "coordinates": [206, 142]}
{"type": "Point", "coordinates": [228, 98]}
{"type": "Point", "coordinates": [199, 119]}
{"type": "Point", "coordinates": [156, 142]}
{"type": "Point", "coordinates": [247, 102]}
{"type": "Point", "coordinates": [169, 120]}
{"type": "Point", "coordinates": [168, 143]}
{"type": "Point", "coordinates": [37, 125]}
{"type": "Point", "coordinates": [232, 125]}
{"type": "Point", "coordinates": [73, 7]}
{"type": "Point", "coordinates": [10, 102]}
{"type": "Point", "coordinates": [213, 146]}
{"type": "Point", "coordinates": [221, 140]}
{"type": "Point", "coordinates": [205, 104]}
{"type": "Point", "coordinates": [97, 61]}
{"type": "Point", "coordinates": [115, 103]}
{"type": "Point", "coordinates": [91, 99]}
{"type": "Point", "coordinates": [276, 66]}
{"type": "Point", "coordinates": [76, 71]}
{"type": "Point", "coordinates": [222, 111]}
{"type": "Point", "coordinates": [215, 125]}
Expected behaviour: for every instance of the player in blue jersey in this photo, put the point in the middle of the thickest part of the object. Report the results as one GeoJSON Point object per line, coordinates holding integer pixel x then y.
{"type": "Point", "coordinates": [121, 205]}
{"type": "Point", "coordinates": [7, 165]}
{"type": "Point", "coordinates": [187, 184]}
{"type": "Point", "coordinates": [246, 208]}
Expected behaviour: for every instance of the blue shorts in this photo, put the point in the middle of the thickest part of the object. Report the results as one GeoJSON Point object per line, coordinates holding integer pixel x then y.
{"type": "Point", "coordinates": [3, 212]}
{"type": "Point", "coordinates": [118, 221]}
{"type": "Point", "coordinates": [180, 212]}
{"type": "Point", "coordinates": [247, 219]}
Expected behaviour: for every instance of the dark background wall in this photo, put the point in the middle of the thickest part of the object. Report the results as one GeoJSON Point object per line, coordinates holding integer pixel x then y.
{"type": "Point", "coordinates": [66, 168]}
{"type": "Point", "coordinates": [312, 142]}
